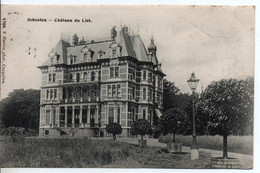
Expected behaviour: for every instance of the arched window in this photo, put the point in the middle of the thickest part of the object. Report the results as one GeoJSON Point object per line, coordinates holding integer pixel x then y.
{"type": "Point", "coordinates": [92, 76]}
{"type": "Point", "coordinates": [70, 77]}
{"type": "Point", "coordinates": [85, 74]}
{"type": "Point", "coordinates": [78, 77]}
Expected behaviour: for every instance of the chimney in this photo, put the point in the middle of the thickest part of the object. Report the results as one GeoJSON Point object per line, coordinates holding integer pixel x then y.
{"type": "Point", "coordinates": [75, 40]}
{"type": "Point", "coordinates": [125, 29]}
{"type": "Point", "coordinates": [82, 41]}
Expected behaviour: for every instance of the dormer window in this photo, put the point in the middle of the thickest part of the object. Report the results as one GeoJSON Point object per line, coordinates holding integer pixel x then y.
{"type": "Point", "coordinates": [116, 50]}
{"type": "Point", "coordinates": [88, 54]}
{"type": "Point", "coordinates": [100, 54]}
{"type": "Point", "coordinates": [72, 59]}
{"type": "Point", "coordinates": [113, 53]}
{"type": "Point", "coordinates": [57, 58]}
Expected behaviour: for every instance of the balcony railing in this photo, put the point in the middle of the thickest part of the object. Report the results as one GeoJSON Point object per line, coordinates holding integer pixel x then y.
{"type": "Point", "coordinates": [80, 80]}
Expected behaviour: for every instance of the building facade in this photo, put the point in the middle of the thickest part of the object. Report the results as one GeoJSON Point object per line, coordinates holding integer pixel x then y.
{"type": "Point", "coordinates": [86, 85]}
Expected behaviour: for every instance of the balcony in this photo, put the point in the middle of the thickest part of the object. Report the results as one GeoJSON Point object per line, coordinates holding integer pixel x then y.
{"type": "Point", "coordinates": [48, 101]}
{"type": "Point", "coordinates": [113, 98]}
{"type": "Point", "coordinates": [81, 80]}
{"type": "Point", "coordinates": [81, 99]}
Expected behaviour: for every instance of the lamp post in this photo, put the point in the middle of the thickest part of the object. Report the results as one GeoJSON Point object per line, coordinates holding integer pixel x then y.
{"type": "Point", "coordinates": [193, 82]}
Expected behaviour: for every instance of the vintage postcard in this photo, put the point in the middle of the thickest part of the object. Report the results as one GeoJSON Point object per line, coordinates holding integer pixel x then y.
{"type": "Point", "coordinates": [127, 86]}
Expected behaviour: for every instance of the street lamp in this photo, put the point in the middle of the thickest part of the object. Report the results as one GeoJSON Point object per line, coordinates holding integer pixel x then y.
{"type": "Point", "coordinates": [193, 82]}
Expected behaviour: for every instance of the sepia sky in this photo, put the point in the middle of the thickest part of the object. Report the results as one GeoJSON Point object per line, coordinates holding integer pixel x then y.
{"type": "Point", "coordinates": [214, 42]}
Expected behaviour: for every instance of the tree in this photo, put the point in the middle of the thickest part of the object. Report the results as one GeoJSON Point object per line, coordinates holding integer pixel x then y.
{"type": "Point", "coordinates": [141, 127]}
{"type": "Point", "coordinates": [170, 91]}
{"type": "Point", "coordinates": [174, 121]}
{"type": "Point", "coordinates": [21, 109]}
{"type": "Point", "coordinates": [229, 107]}
{"type": "Point", "coordinates": [114, 128]}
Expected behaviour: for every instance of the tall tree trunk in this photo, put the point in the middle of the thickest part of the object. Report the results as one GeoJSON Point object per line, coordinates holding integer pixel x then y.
{"type": "Point", "coordinates": [173, 137]}
{"type": "Point", "coordinates": [225, 154]}
{"type": "Point", "coordinates": [114, 136]}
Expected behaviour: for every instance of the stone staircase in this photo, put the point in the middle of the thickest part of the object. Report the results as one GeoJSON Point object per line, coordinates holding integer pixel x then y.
{"type": "Point", "coordinates": [69, 133]}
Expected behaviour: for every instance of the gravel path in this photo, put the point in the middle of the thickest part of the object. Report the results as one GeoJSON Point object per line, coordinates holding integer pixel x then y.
{"type": "Point", "coordinates": [245, 160]}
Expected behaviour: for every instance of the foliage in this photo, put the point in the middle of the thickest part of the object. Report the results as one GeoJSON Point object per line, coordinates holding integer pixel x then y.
{"type": "Point", "coordinates": [169, 94]}
{"type": "Point", "coordinates": [61, 152]}
{"type": "Point", "coordinates": [21, 109]}
{"type": "Point", "coordinates": [229, 107]}
{"type": "Point", "coordinates": [174, 121]}
{"type": "Point", "coordinates": [18, 131]}
{"type": "Point", "coordinates": [237, 144]}
{"type": "Point", "coordinates": [141, 127]}
{"type": "Point", "coordinates": [228, 104]}
{"type": "Point", "coordinates": [114, 128]}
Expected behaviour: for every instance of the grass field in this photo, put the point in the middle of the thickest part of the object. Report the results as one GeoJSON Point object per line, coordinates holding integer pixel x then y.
{"type": "Point", "coordinates": [84, 152]}
{"type": "Point", "coordinates": [237, 144]}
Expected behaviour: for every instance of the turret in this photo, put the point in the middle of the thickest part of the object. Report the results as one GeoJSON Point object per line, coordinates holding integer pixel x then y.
{"type": "Point", "coordinates": [152, 48]}
{"type": "Point", "coordinates": [75, 40]}
{"type": "Point", "coordinates": [113, 33]}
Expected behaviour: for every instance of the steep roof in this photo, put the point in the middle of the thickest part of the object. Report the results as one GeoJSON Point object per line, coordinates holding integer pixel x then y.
{"type": "Point", "coordinates": [95, 47]}
{"type": "Point", "coordinates": [132, 46]}
{"type": "Point", "coordinates": [125, 41]}
{"type": "Point", "coordinates": [61, 50]}
{"type": "Point", "coordinates": [139, 48]}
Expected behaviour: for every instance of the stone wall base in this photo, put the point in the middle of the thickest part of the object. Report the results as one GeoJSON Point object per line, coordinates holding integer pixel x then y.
{"type": "Point", "coordinates": [80, 132]}
{"type": "Point", "coordinates": [224, 163]}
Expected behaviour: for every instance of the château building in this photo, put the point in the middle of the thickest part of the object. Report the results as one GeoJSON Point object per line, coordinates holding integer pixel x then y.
{"type": "Point", "coordinates": [86, 85]}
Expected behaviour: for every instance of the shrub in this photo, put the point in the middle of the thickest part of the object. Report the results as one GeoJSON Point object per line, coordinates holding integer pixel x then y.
{"type": "Point", "coordinates": [141, 127]}
{"type": "Point", "coordinates": [13, 131]}
{"type": "Point", "coordinates": [114, 128]}
{"type": "Point", "coordinates": [18, 131]}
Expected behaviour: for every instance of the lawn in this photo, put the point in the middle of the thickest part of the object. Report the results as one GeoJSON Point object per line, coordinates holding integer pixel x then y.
{"type": "Point", "coordinates": [84, 152]}
{"type": "Point", "coordinates": [237, 144]}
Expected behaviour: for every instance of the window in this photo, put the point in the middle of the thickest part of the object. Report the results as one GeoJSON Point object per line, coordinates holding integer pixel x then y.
{"type": "Point", "coordinates": [111, 72]}
{"type": "Point", "coordinates": [118, 90]}
{"type": "Point", "coordinates": [47, 94]}
{"type": "Point", "coordinates": [144, 93]}
{"type": "Point", "coordinates": [49, 78]}
{"type": "Point", "coordinates": [46, 132]}
{"type": "Point", "coordinates": [92, 76]}
{"type": "Point", "coordinates": [111, 115]}
{"type": "Point", "coordinates": [113, 90]}
{"type": "Point", "coordinates": [118, 115]}
{"type": "Point", "coordinates": [48, 112]}
{"type": "Point", "coordinates": [53, 77]}
{"type": "Point", "coordinates": [134, 74]}
{"type": "Point", "coordinates": [51, 95]}
{"type": "Point", "coordinates": [150, 77]}
{"type": "Point", "coordinates": [55, 93]}
{"type": "Point", "coordinates": [130, 75]}
{"type": "Point", "coordinates": [133, 114]}
{"type": "Point", "coordinates": [114, 53]}
{"type": "Point", "coordinates": [151, 114]}
{"type": "Point", "coordinates": [144, 75]}
{"type": "Point", "coordinates": [144, 113]}
{"type": "Point", "coordinates": [116, 71]}
{"type": "Point", "coordinates": [109, 93]}
{"type": "Point", "coordinates": [85, 57]}
{"type": "Point", "coordinates": [133, 94]}
{"type": "Point", "coordinates": [149, 93]}
{"type": "Point", "coordinates": [70, 77]}
{"type": "Point", "coordinates": [78, 77]}
{"type": "Point", "coordinates": [85, 74]}
{"type": "Point", "coordinates": [71, 60]}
